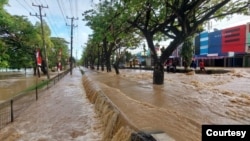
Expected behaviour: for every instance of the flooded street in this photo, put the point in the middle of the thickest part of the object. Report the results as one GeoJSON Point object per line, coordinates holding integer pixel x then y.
{"type": "Point", "coordinates": [62, 113]}
{"type": "Point", "coordinates": [182, 104]}
{"type": "Point", "coordinates": [177, 108]}
{"type": "Point", "coordinates": [13, 82]}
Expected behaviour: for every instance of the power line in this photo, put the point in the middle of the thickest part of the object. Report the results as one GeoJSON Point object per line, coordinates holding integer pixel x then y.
{"type": "Point", "coordinates": [76, 7]}
{"type": "Point", "coordinates": [36, 1]}
{"type": "Point", "coordinates": [25, 6]}
{"type": "Point", "coordinates": [71, 8]}
{"type": "Point", "coordinates": [46, 2]}
{"type": "Point", "coordinates": [29, 6]}
{"type": "Point", "coordinates": [40, 1]}
{"type": "Point", "coordinates": [22, 5]}
{"type": "Point", "coordinates": [60, 7]}
{"type": "Point", "coordinates": [53, 26]}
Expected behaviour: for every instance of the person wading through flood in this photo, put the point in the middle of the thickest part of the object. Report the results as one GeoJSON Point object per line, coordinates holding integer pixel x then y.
{"type": "Point", "coordinates": [202, 66]}
{"type": "Point", "coordinates": [193, 65]}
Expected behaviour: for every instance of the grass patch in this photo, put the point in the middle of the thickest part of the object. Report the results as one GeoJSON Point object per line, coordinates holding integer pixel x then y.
{"type": "Point", "coordinates": [38, 85]}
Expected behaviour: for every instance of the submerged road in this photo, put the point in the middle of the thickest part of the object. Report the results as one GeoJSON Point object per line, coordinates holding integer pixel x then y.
{"type": "Point", "coordinates": [62, 113]}
{"type": "Point", "coordinates": [182, 104]}
{"type": "Point", "coordinates": [178, 108]}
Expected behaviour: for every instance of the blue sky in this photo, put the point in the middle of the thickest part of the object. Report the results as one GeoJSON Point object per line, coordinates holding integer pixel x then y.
{"type": "Point", "coordinates": [56, 17]}
{"type": "Point", "coordinates": [58, 10]}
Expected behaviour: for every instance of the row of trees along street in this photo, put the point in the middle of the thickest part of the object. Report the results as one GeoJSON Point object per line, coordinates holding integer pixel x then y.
{"type": "Point", "coordinates": [121, 24]}
{"type": "Point", "coordinates": [19, 40]}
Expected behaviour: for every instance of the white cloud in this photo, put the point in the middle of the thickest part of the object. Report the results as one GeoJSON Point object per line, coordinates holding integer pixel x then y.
{"type": "Point", "coordinates": [56, 17]}
{"type": "Point", "coordinates": [234, 20]}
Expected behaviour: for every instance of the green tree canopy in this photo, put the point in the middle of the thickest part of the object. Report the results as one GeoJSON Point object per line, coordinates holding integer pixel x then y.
{"type": "Point", "coordinates": [174, 19]}
{"type": "Point", "coordinates": [59, 45]}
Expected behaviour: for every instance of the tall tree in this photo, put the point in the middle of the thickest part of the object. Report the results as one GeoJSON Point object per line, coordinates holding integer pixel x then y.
{"type": "Point", "coordinates": [187, 52]}
{"type": "Point", "coordinates": [175, 19]}
{"type": "Point", "coordinates": [112, 31]}
{"type": "Point", "coordinates": [4, 57]}
{"type": "Point", "coordinates": [58, 52]}
{"type": "Point", "coordinates": [19, 37]}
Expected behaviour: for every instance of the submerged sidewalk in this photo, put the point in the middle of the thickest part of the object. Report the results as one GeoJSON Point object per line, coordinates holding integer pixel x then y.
{"type": "Point", "coordinates": [62, 113]}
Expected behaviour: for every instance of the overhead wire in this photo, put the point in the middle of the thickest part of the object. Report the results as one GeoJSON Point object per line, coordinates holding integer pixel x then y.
{"type": "Point", "coordinates": [54, 27]}
{"type": "Point", "coordinates": [61, 9]}
{"type": "Point", "coordinates": [30, 6]}
{"type": "Point", "coordinates": [23, 6]}
{"type": "Point", "coordinates": [75, 15]}
{"type": "Point", "coordinates": [71, 9]}
{"type": "Point", "coordinates": [77, 31]}
{"type": "Point", "coordinates": [48, 20]}
{"type": "Point", "coordinates": [76, 7]}
{"type": "Point", "coordinates": [46, 2]}
{"type": "Point", "coordinates": [36, 2]}
{"type": "Point", "coordinates": [26, 7]}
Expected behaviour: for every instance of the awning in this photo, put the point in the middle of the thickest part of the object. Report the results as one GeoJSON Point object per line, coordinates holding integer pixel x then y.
{"type": "Point", "coordinates": [210, 57]}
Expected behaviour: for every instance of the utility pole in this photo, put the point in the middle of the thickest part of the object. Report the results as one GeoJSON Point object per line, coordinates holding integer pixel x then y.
{"type": "Point", "coordinates": [40, 16]}
{"type": "Point", "coordinates": [71, 42]}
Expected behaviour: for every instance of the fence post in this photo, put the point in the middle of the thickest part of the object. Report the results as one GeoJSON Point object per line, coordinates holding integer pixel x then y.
{"type": "Point", "coordinates": [11, 111]}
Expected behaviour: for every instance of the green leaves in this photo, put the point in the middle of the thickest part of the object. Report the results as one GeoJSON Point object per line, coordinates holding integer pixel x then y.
{"type": "Point", "coordinates": [157, 20]}
{"type": "Point", "coordinates": [187, 50]}
{"type": "Point", "coordinates": [19, 39]}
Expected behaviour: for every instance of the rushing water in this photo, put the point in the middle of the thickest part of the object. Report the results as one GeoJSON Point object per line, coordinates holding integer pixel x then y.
{"type": "Point", "coordinates": [182, 104]}
{"type": "Point", "coordinates": [13, 82]}
{"type": "Point", "coordinates": [61, 113]}
{"type": "Point", "coordinates": [129, 102]}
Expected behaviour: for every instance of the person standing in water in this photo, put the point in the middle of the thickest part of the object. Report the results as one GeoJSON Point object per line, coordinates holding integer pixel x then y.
{"type": "Point", "coordinates": [193, 65]}
{"type": "Point", "coordinates": [202, 66]}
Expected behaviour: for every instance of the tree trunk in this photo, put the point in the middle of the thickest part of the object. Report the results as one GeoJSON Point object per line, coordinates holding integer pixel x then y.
{"type": "Point", "coordinates": [116, 68]}
{"type": "Point", "coordinates": [34, 70]}
{"type": "Point", "coordinates": [43, 67]}
{"type": "Point", "coordinates": [98, 58]}
{"type": "Point", "coordinates": [108, 66]}
{"type": "Point", "coordinates": [102, 59]}
{"type": "Point", "coordinates": [158, 74]}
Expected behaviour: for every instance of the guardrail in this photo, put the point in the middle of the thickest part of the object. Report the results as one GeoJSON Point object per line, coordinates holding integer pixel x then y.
{"type": "Point", "coordinates": [12, 108]}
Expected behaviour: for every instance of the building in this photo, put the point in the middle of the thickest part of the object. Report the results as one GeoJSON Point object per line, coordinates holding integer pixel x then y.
{"type": "Point", "coordinates": [229, 47]}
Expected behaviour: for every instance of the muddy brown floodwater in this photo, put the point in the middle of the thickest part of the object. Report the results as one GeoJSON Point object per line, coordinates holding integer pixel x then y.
{"type": "Point", "coordinates": [61, 113]}
{"type": "Point", "coordinates": [177, 108]}
{"type": "Point", "coordinates": [182, 104]}
{"type": "Point", "coordinates": [13, 82]}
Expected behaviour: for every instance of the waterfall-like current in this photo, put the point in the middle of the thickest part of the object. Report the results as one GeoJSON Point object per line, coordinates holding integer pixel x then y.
{"type": "Point", "coordinates": [117, 128]}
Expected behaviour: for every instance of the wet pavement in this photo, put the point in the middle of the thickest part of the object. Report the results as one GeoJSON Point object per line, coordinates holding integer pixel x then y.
{"type": "Point", "coordinates": [62, 113]}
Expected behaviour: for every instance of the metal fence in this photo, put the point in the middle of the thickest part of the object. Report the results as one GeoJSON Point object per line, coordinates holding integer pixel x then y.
{"type": "Point", "coordinates": [12, 108]}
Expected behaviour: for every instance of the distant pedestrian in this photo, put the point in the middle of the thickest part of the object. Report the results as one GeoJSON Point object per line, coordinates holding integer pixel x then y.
{"type": "Point", "coordinates": [193, 65]}
{"type": "Point", "coordinates": [202, 66]}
